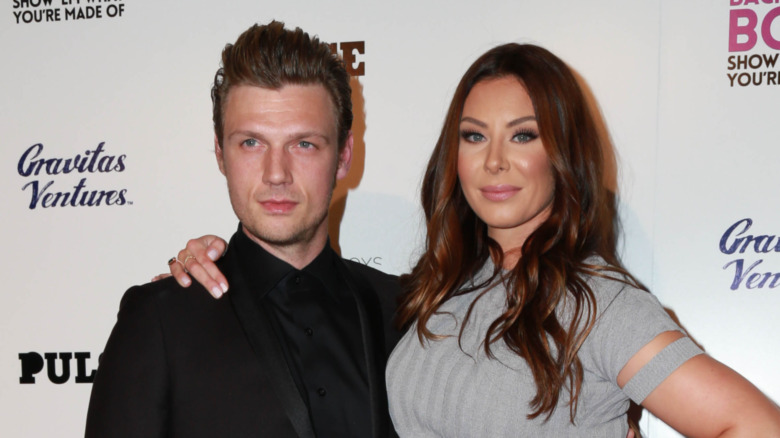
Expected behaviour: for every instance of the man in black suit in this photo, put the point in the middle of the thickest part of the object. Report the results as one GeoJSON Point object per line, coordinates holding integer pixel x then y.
{"type": "Point", "coordinates": [298, 347]}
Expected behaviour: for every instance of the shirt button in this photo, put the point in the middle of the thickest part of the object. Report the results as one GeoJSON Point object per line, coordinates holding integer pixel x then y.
{"type": "Point", "coordinates": [322, 392]}
{"type": "Point", "coordinates": [308, 331]}
{"type": "Point", "coordinates": [297, 279]}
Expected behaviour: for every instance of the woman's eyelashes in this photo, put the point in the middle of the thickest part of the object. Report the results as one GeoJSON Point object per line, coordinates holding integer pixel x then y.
{"type": "Point", "coordinates": [522, 136]}
{"type": "Point", "coordinates": [471, 136]}
{"type": "Point", "coordinates": [525, 135]}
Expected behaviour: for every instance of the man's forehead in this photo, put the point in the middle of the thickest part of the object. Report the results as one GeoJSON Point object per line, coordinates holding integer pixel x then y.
{"type": "Point", "coordinates": [298, 109]}
{"type": "Point", "coordinates": [320, 88]}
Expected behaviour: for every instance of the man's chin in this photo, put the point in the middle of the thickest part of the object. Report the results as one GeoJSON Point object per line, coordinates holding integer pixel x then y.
{"type": "Point", "coordinates": [279, 237]}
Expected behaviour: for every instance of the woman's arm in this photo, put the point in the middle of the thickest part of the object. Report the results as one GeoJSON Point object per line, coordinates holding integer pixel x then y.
{"type": "Point", "coordinates": [704, 397]}
{"type": "Point", "coordinates": [197, 259]}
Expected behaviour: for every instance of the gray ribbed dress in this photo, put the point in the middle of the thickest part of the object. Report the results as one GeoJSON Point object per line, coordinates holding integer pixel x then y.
{"type": "Point", "coordinates": [450, 390]}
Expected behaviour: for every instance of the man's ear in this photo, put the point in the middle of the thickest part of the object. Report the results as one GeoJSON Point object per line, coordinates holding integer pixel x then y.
{"type": "Point", "coordinates": [218, 152]}
{"type": "Point", "coordinates": [345, 157]}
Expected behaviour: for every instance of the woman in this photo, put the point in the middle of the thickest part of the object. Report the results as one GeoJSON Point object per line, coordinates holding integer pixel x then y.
{"type": "Point", "coordinates": [522, 322]}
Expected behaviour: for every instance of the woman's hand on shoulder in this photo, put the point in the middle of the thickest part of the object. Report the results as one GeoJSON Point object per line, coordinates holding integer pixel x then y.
{"type": "Point", "coordinates": [197, 260]}
{"type": "Point", "coordinates": [704, 397]}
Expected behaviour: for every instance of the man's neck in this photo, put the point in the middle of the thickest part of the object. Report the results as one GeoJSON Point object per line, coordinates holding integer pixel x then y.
{"type": "Point", "coordinates": [298, 254]}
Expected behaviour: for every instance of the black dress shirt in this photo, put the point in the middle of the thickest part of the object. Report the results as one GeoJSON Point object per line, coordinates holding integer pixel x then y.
{"type": "Point", "coordinates": [316, 321]}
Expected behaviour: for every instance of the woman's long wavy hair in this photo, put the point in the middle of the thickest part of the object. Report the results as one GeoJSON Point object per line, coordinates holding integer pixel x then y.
{"type": "Point", "coordinates": [552, 265]}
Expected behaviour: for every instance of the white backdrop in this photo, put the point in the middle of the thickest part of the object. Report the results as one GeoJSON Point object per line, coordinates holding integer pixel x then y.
{"type": "Point", "coordinates": [695, 139]}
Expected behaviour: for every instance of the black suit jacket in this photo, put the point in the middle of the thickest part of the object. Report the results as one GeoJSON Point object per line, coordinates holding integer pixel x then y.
{"type": "Point", "coordinates": [179, 363]}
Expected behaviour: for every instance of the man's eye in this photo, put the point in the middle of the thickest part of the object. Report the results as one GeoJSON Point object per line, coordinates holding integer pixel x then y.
{"type": "Point", "coordinates": [306, 145]}
{"type": "Point", "coordinates": [250, 142]}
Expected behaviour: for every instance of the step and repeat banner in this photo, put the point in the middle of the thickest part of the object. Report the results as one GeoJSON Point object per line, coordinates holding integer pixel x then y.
{"type": "Point", "coordinates": [108, 160]}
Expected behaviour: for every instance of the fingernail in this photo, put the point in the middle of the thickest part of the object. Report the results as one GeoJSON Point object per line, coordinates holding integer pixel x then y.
{"type": "Point", "coordinates": [186, 281]}
{"type": "Point", "coordinates": [224, 287]}
{"type": "Point", "coordinates": [213, 254]}
{"type": "Point", "coordinates": [216, 292]}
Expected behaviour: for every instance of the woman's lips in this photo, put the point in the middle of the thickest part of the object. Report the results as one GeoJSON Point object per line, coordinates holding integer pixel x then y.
{"type": "Point", "coordinates": [500, 192]}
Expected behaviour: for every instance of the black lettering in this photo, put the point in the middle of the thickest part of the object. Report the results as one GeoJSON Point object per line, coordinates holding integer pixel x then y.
{"type": "Point", "coordinates": [24, 168]}
{"type": "Point", "coordinates": [122, 199]}
{"type": "Point", "coordinates": [754, 65]}
{"type": "Point", "coordinates": [120, 163]}
{"type": "Point", "coordinates": [742, 62]}
{"type": "Point", "coordinates": [98, 150]}
{"type": "Point", "coordinates": [36, 195]}
{"type": "Point", "coordinates": [48, 200]}
{"type": "Point", "coordinates": [104, 165]}
{"type": "Point", "coordinates": [725, 248]}
{"type": "Point", "coordinates": [64, 196]}
{"type": "Point", "coordinates": [53, 166]}
{"type": "Point", "coordinates": [51, 367]}
{"type": "Point", "coordinates": [110, 196]}
{"type": "Point", "coordinates": [78, 187]}
{"type": "Point", "coordinates": [770, 60]}
{"type": "Point", "coordinates": [81, 369]}
{"type": "Point", "coordinates": [739, 276]}
{"type": "Point", "coordinates": [32, 364]}
{"type": "Point", "coordinates": [115, 10]}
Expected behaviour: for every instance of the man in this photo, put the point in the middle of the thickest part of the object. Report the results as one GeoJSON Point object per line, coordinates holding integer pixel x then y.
{"type": "Point", "coordinates": [298, 347]}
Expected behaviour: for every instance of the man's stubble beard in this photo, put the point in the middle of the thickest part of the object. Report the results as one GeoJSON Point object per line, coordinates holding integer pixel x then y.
{"type": "Point", "coordinates": [300, 234]}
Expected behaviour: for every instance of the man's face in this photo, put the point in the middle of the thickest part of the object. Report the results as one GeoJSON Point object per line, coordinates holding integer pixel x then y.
{"type": "Point", "coordinates": [281, 159]}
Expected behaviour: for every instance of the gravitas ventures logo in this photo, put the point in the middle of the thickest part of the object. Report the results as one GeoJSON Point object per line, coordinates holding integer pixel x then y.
{"type": "Point", "coordinates": [749, 250]}
{"type": "Point", "coordinates": [43, 172]}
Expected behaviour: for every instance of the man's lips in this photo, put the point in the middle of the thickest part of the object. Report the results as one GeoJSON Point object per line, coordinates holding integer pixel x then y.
{"type": "Point", "coordinates": [500, 192]}
{"type": "Point", "coordinates": [278, 206]}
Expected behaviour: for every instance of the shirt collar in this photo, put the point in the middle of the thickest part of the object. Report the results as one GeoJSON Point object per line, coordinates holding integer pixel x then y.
{"type": "Point", "coordinates": [263, 270]}
{"type": "Point", "coordinates": [323, 267]}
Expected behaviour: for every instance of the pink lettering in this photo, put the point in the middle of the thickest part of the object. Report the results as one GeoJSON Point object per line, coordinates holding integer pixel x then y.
{"type": "Point", "coordinates": [766, 29]}
{"type": "Point", "coordinates": [736, 30]}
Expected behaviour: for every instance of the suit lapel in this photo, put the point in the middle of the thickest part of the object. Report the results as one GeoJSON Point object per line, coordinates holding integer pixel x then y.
{"type": "Point", "coordinates": [372, 332]}
{"type": "Point", "coordinates": [254, 317]}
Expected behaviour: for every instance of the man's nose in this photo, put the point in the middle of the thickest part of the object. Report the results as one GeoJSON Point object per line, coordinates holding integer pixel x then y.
{"type": "Point", "coordinates": [276, 166]}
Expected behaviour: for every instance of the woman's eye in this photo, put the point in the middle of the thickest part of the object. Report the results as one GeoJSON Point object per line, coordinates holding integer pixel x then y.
{"type": "Point", "coordinates": [250, 142]}
{"type": "Point", "coordinates": [471, 137]}
{"type": "Point", "coordinates": [525, 136]}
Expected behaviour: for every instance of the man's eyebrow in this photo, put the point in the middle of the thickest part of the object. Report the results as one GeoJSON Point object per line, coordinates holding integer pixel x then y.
{"type": "Point", "coordinates": [292, 136]}
{"type": "Point", "coordinates": [306, 134]}
{"type": "Point", "coordinates": [244, 133]}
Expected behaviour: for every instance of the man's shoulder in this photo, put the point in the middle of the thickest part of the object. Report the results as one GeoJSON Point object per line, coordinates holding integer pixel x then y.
{"type": "Point", "coordinates": [164, 295]}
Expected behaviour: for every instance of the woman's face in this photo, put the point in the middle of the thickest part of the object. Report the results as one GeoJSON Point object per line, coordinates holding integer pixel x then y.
{"type": "Point", "coordinates": [503, 167]}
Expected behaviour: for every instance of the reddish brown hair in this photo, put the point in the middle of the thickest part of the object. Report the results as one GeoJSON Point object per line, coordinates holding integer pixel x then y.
{"type": "Point", "coordinates": [271, 56]}
{"type": "Point", "coordinates": [582, 224]}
